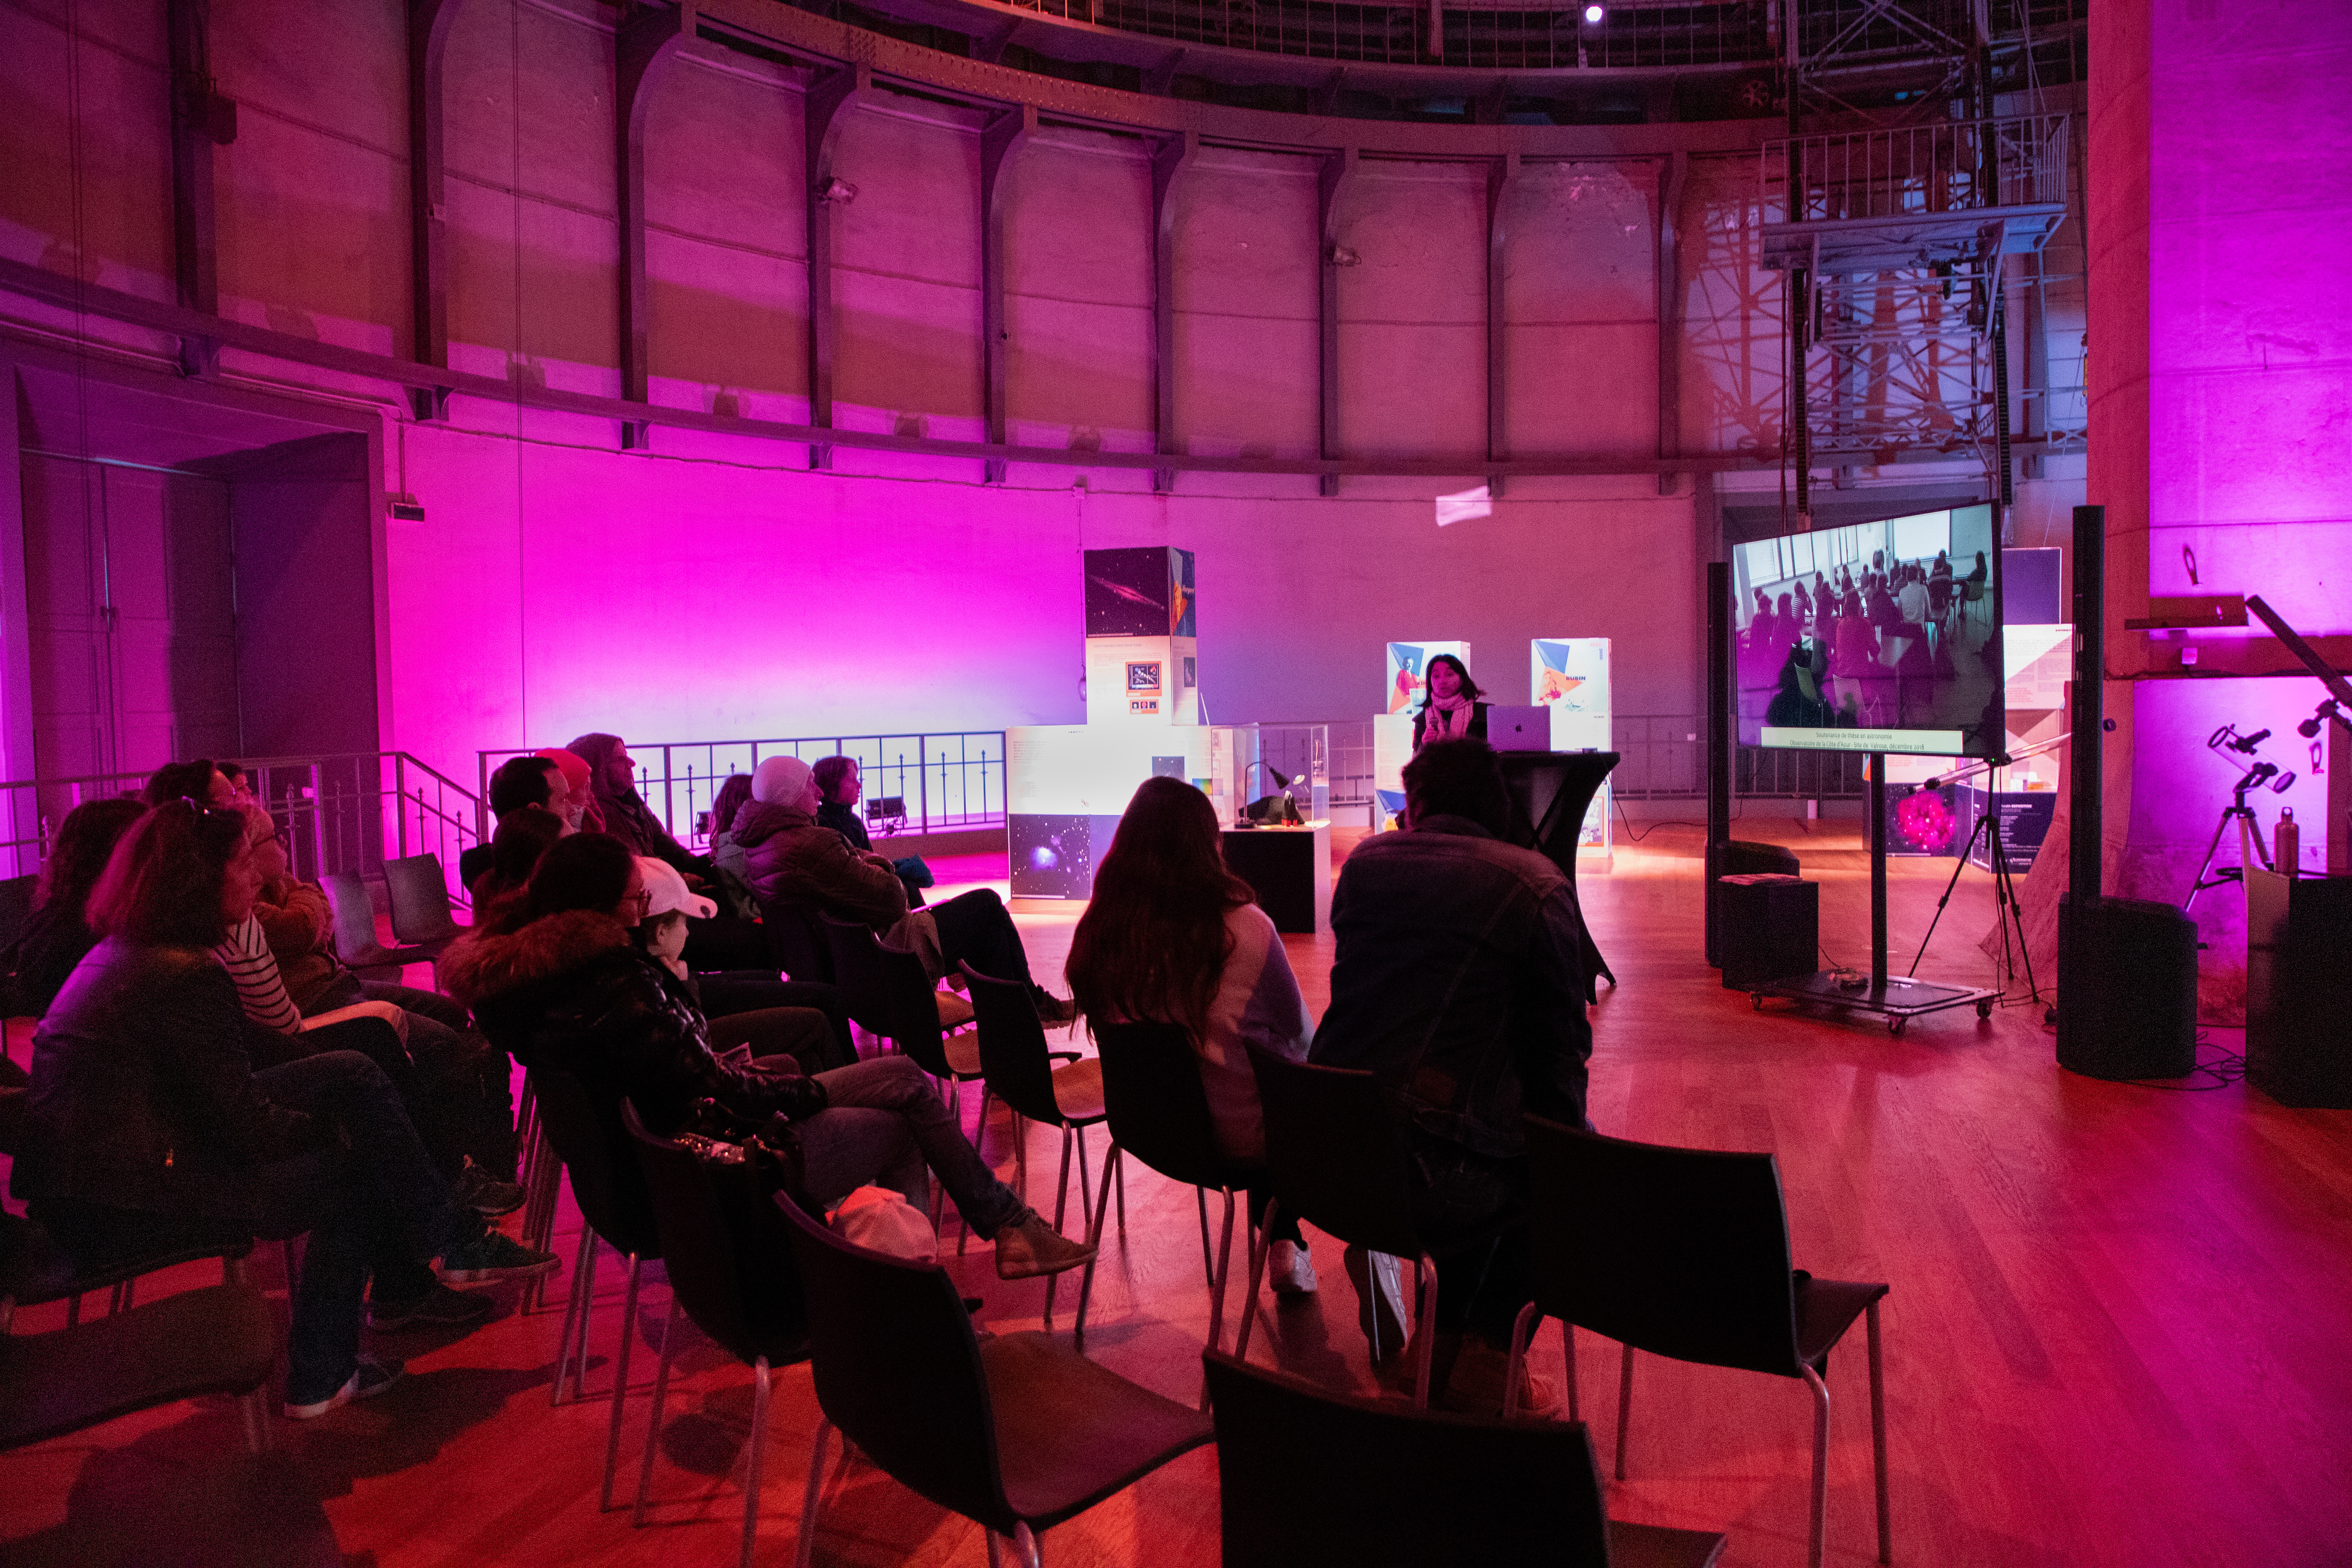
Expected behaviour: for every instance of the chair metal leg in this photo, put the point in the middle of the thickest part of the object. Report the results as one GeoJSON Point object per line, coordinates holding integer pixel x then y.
{"type": "Point", "coordinates": [1218, 1275]}
{"type": "Point", "coordinates": [815, 1492]}
{"type": "Point", "coordinates": [1567, 1353]}
{"type": "Point", "coordinates": [1094, 1239]}
{"type": "Point", "coordinates": [1624, 1408]}
{"type": "Point", "coordinates": [620, 1382]}
{"type": "Point", "coordinates": [1122, 1201]}
{"type": "Point", "coordinates": [1259, 1246]}
{"type": "Point", "coordinates": [1085, 1183]}
{"type": "Point", "coordinates": [255, 1415]}
{"type": "Point", "coordinates": [1026, 1542]}
{"type": "Point", "coordinates": [1424, 1325]}
{"type": "Point", "coordinates": [1820, 1462]}
{"type": "Point", "coordinates": [1021, 1156]}
{"type": "Point", "coordinates": [575, 1319]}
{"type": "Point", "coordinates": [1878, 1439]}
{"type": "Point", "coordinates": [1208, 1258]}
{"type": "Point", "coordinates": [1521, 1332]}
{"type": "Point", "coordinates": [994, 1559]}
{"type": "Point", "coordinates": [1061, 1204]}
{"type": "Point", "coordinates": [759, 1452]}
{"type": "Point", "coordinates": [661, 1389]}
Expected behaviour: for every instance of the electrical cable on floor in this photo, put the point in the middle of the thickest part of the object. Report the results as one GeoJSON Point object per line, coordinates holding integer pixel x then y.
{"type": "Point", "coordinates": [2221, 1072]}
{"type": "Point", "coordinates": [1633, 838]}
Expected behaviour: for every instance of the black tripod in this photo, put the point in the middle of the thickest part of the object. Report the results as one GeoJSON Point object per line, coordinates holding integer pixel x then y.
{"type": "Point", "coordinates": [2004, 892]}
{"type": "Point", "coordinates": [2249, 832]}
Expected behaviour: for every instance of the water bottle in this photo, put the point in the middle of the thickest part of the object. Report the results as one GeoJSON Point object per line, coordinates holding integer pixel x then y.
{"type": "Point", "coordinates": [2286, 842]}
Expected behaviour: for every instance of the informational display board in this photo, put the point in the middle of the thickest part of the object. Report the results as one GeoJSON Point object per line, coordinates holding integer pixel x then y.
{"type": "Point", "coordinates": [1068, 785]}
{"type": "Point", "coordinates": [1408, 670]}
{"type": "Point", "coordinates": [1571, 676]}
{"type": "Point", "coordinates": [1143, 648]}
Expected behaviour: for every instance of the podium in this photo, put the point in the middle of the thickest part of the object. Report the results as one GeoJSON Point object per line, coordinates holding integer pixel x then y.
{"type": "Point", "coordinates": [1550, 792]}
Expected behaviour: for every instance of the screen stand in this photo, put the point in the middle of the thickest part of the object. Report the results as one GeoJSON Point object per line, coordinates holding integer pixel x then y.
{"type": "Point", "coordinates": [1896, 998]}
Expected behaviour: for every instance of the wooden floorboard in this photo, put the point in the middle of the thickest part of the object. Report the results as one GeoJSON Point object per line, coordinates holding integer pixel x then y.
{"type": "Point", "coordinates": [2120, 1330]}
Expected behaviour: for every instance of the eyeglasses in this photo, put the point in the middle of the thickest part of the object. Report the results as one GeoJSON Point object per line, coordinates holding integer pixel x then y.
{"type": "Point", "coordinates": [204, 808]}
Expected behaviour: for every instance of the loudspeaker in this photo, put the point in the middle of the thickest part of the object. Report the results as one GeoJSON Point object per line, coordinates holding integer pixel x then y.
{"type": "Point", "coordinates": [1771, 931]}
{"type": "Point", "coordinates": [2126, 988]}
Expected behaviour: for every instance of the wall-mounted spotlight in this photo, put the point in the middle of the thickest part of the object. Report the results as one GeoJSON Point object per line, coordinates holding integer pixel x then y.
{"type": "Point", "coordinates": [837, 190]}
{"type": "Point", "coordinates": [403, 508]}
{"type": "Point", "coordinates": [1592, 14]}
{"type": "Point", "coordinates": [1341, 256]}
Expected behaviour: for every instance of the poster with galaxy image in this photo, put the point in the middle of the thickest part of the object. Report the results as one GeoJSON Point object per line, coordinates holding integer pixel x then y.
{"type": "Point", "coordinates": [1052, 857]}
{"type": "Point", "coordinates": [1143, 593]}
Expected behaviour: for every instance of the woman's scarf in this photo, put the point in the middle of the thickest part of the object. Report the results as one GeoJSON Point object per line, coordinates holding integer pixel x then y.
{"type": "Point", "coordinates": [1447, 719]}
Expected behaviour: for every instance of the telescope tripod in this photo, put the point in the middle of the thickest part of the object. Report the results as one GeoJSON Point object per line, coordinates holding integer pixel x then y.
{"type": "Point", "coordinates": [2004, 892]}
{"type": "Point", "coordinates": [2250, 833]}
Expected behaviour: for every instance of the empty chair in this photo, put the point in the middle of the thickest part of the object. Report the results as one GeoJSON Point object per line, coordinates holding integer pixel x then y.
{"type": "Point", "coordinates": [1308, 1476]}
{"type": "Point", "coordinates": [15, 906]}
{"type": "Point", "coordinates": [1159, 1112]}
{"type": "Point", "coordinates": [1016, 1433]}
{"type": "Point", "coordinates": [615, 1209]}
{"type": "Point", "coordinates": [730, 1269]}
{"type": "Point", "coordinates": [1684, 1253]}
{"type": "Point", "coordinates": [356, 942]}
{"type": "Point", "coordinates": [1336, 1161]}
{"type": "Point", "coordinates": [888, 994]}
{"type": "Point", "coordinates": [795, 940]}
{"type": "Point", "coordinates": [219, 1339]}
{"type": "Point", "coordinates": [420, 902]}
{"type": "Point", "coordinates": [1021, 1072]}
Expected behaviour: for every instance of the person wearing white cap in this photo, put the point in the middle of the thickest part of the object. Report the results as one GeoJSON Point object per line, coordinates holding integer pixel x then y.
{"type": "Point", "coordinates": [791, 856]}
{"type": "Point", "coordinates": [558, 976]}
{"type": "Point", "coordinates": [745, 1006]}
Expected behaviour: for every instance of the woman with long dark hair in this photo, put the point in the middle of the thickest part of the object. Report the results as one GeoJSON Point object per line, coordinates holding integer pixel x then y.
{"type": "Point", "coordinates": [1170, 935]}
{"type": "Point", "coordinates": [148, 1126]}
{"type": "Point", "coordinates": [1452, 710]}
{"type": "Point", "coordinates": [57, 937]}
{"type": "Point", "coordinates": [561, 981]}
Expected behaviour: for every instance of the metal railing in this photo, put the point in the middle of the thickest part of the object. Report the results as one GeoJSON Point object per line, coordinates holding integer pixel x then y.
{"type": "Point", "coordinates": [1525, 34]}
{"type": "Point", "coordinates": [1942, 166]}
{"type": "Point", "coordinates": [1665, 757]}
{"type": "Point", "coordinates": [347, 811]}
{"type": "Point", "coordinates": [947, 781]}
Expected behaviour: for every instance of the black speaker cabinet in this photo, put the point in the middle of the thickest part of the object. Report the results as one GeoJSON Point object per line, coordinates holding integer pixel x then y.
{"type": "Point", "coordinates": [2126, 989]}
{"type": "Point", "coordinates": [1738, 857]}
{"type": "Point", "coordinates": [1769, 930]}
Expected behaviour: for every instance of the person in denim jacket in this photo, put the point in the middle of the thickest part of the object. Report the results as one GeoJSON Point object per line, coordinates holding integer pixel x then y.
{"type": "Point", "coordinates": [1457, 979]}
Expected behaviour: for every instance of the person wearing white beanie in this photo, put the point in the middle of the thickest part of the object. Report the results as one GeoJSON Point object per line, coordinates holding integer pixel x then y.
{"type": "Point", "coordinates": [780, 780]}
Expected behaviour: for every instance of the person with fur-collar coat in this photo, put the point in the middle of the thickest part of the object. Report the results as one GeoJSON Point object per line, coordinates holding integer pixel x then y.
{"type": "Point", "coordinates": [561, 978]}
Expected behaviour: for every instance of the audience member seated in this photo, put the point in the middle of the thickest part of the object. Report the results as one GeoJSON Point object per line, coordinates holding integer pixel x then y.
{"type": "Point", "coordinates": [711, 945]}
{"type": "Point", "coordinates": [580, 813]}
{"type": "Point", "coordinates": [1793, 707]}
{"type": "Point", "coordinates": [58, 935]}
{"type": "Point", "coordinates": [521, 784]}
{"type": "Point", "coordinates": [149, 1126]}
{"type": "Point", "coordinates": [240, 786]}
{"type": "Point", "coordinates": [733, 881]}
{"type": "Point", "coordinates": [1171, 936]}
{"type": "Point", "coordinates": [1456, 977]}
{"type": "Point", "coordinates": [839, 788]}
{"type": "Point", "coordinates": [456, 1083]}
{"type": "Point", "coordinates": [745, 1006]}
{"type": "Point", "coordinates": [515, 850]}
{"type": "Point", "coordinates": [791, 856]}
{"type": "Point", "coordinates": [561, 977]}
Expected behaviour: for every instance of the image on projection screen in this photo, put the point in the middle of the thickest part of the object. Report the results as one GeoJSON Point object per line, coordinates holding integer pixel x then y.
{"type": "Point", "coordinates": [1877, 637]}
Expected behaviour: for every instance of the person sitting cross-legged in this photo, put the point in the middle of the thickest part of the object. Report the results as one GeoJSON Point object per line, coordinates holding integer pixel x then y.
{"type": "Point", "coordinates": [561, 979]}
{"type": "Point", "coordinates": [1457, 979]}
{"type": "Point", "coordinates": [148, 1127]}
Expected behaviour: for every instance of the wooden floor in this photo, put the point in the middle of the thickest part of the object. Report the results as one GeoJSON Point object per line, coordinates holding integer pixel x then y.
{"type": "Point", "coordinates": [2120, 1330]}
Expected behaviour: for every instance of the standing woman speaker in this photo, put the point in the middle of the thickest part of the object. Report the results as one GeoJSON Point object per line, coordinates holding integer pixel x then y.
{"type": "Point", "coordinates": [1452, 710]}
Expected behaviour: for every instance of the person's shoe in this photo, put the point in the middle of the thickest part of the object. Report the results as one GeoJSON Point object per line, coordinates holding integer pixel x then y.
{"type": "Point", "coordinates": [1028, 1248]}
{"type": "Point", "coordinates": [492, 1255]}
{"type": "Point", "coordinates": [371, 1377]}
{"type": "Point", "coordinates": [1474, 1385]}
{"type": "Point", "coordinates": [1052, 1009]}
{"type": "Point", "coordinates": [1380, 1300]}
{"type": "Point", "coordinates": [439, 1308]}
{"type": "Point", "coordinates": [484, 1194]}
{"type": "Point", "coordinates": [1292, 1268]}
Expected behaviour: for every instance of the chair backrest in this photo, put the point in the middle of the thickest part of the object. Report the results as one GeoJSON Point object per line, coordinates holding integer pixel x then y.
{"type": "Point", "coordinates": [1012, 1050]}
{"type": "Point", "coordinates": [725, 1249]}
{"type": "Point", "coordinates": [1158, 1111]}
{"type": "Point", "coordinates": [1334, 1153]}
{"type": "Point", "coordinates": [355, 939]}
{"type": "Point", "coordinates": [795, 940]}
{"type": "Point", "coordinates": [856, 972]}
{"type": "Point", "coordinates": [898, 1369]}
{"type": "Point", "coordinates": [1679, 1252]}
{"type": "Point", "coordinates": [607, 1180]}
{"type": "Point", "coordinates": [887, 991]}
{"type": "Point", "coordinates": [420, 898]}
{"type": "Point", "coordinates": [1312, 1477]}
{"type": "Point", "coordinates": [15, 906]}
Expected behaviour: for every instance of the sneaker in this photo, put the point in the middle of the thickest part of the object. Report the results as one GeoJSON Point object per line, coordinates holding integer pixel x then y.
{"type": "Point", "coordinates": [371, 1378]}
{"type": "Point", "coordinates": [1292, 1268]}
{"type": "Point", "coordinates": [439, 1308]}
{"type": "Point", "coordinates": [1052, 1009]}
{"type": "Point", "coordinates": [484, 1194]}
{"type": "Point", "coordinates": [1474, 1385]}
{"type": "Point", "coordinates": [1380, 1300]}
{"type": "Point", "coordinates": [1028, 1248]}
{"type": "Point", "coordinates": [492, 1255]}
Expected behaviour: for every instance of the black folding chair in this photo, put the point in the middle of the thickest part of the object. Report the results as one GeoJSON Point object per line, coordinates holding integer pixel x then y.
{"type": "Point", "coordinates": [1684, 1253]}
